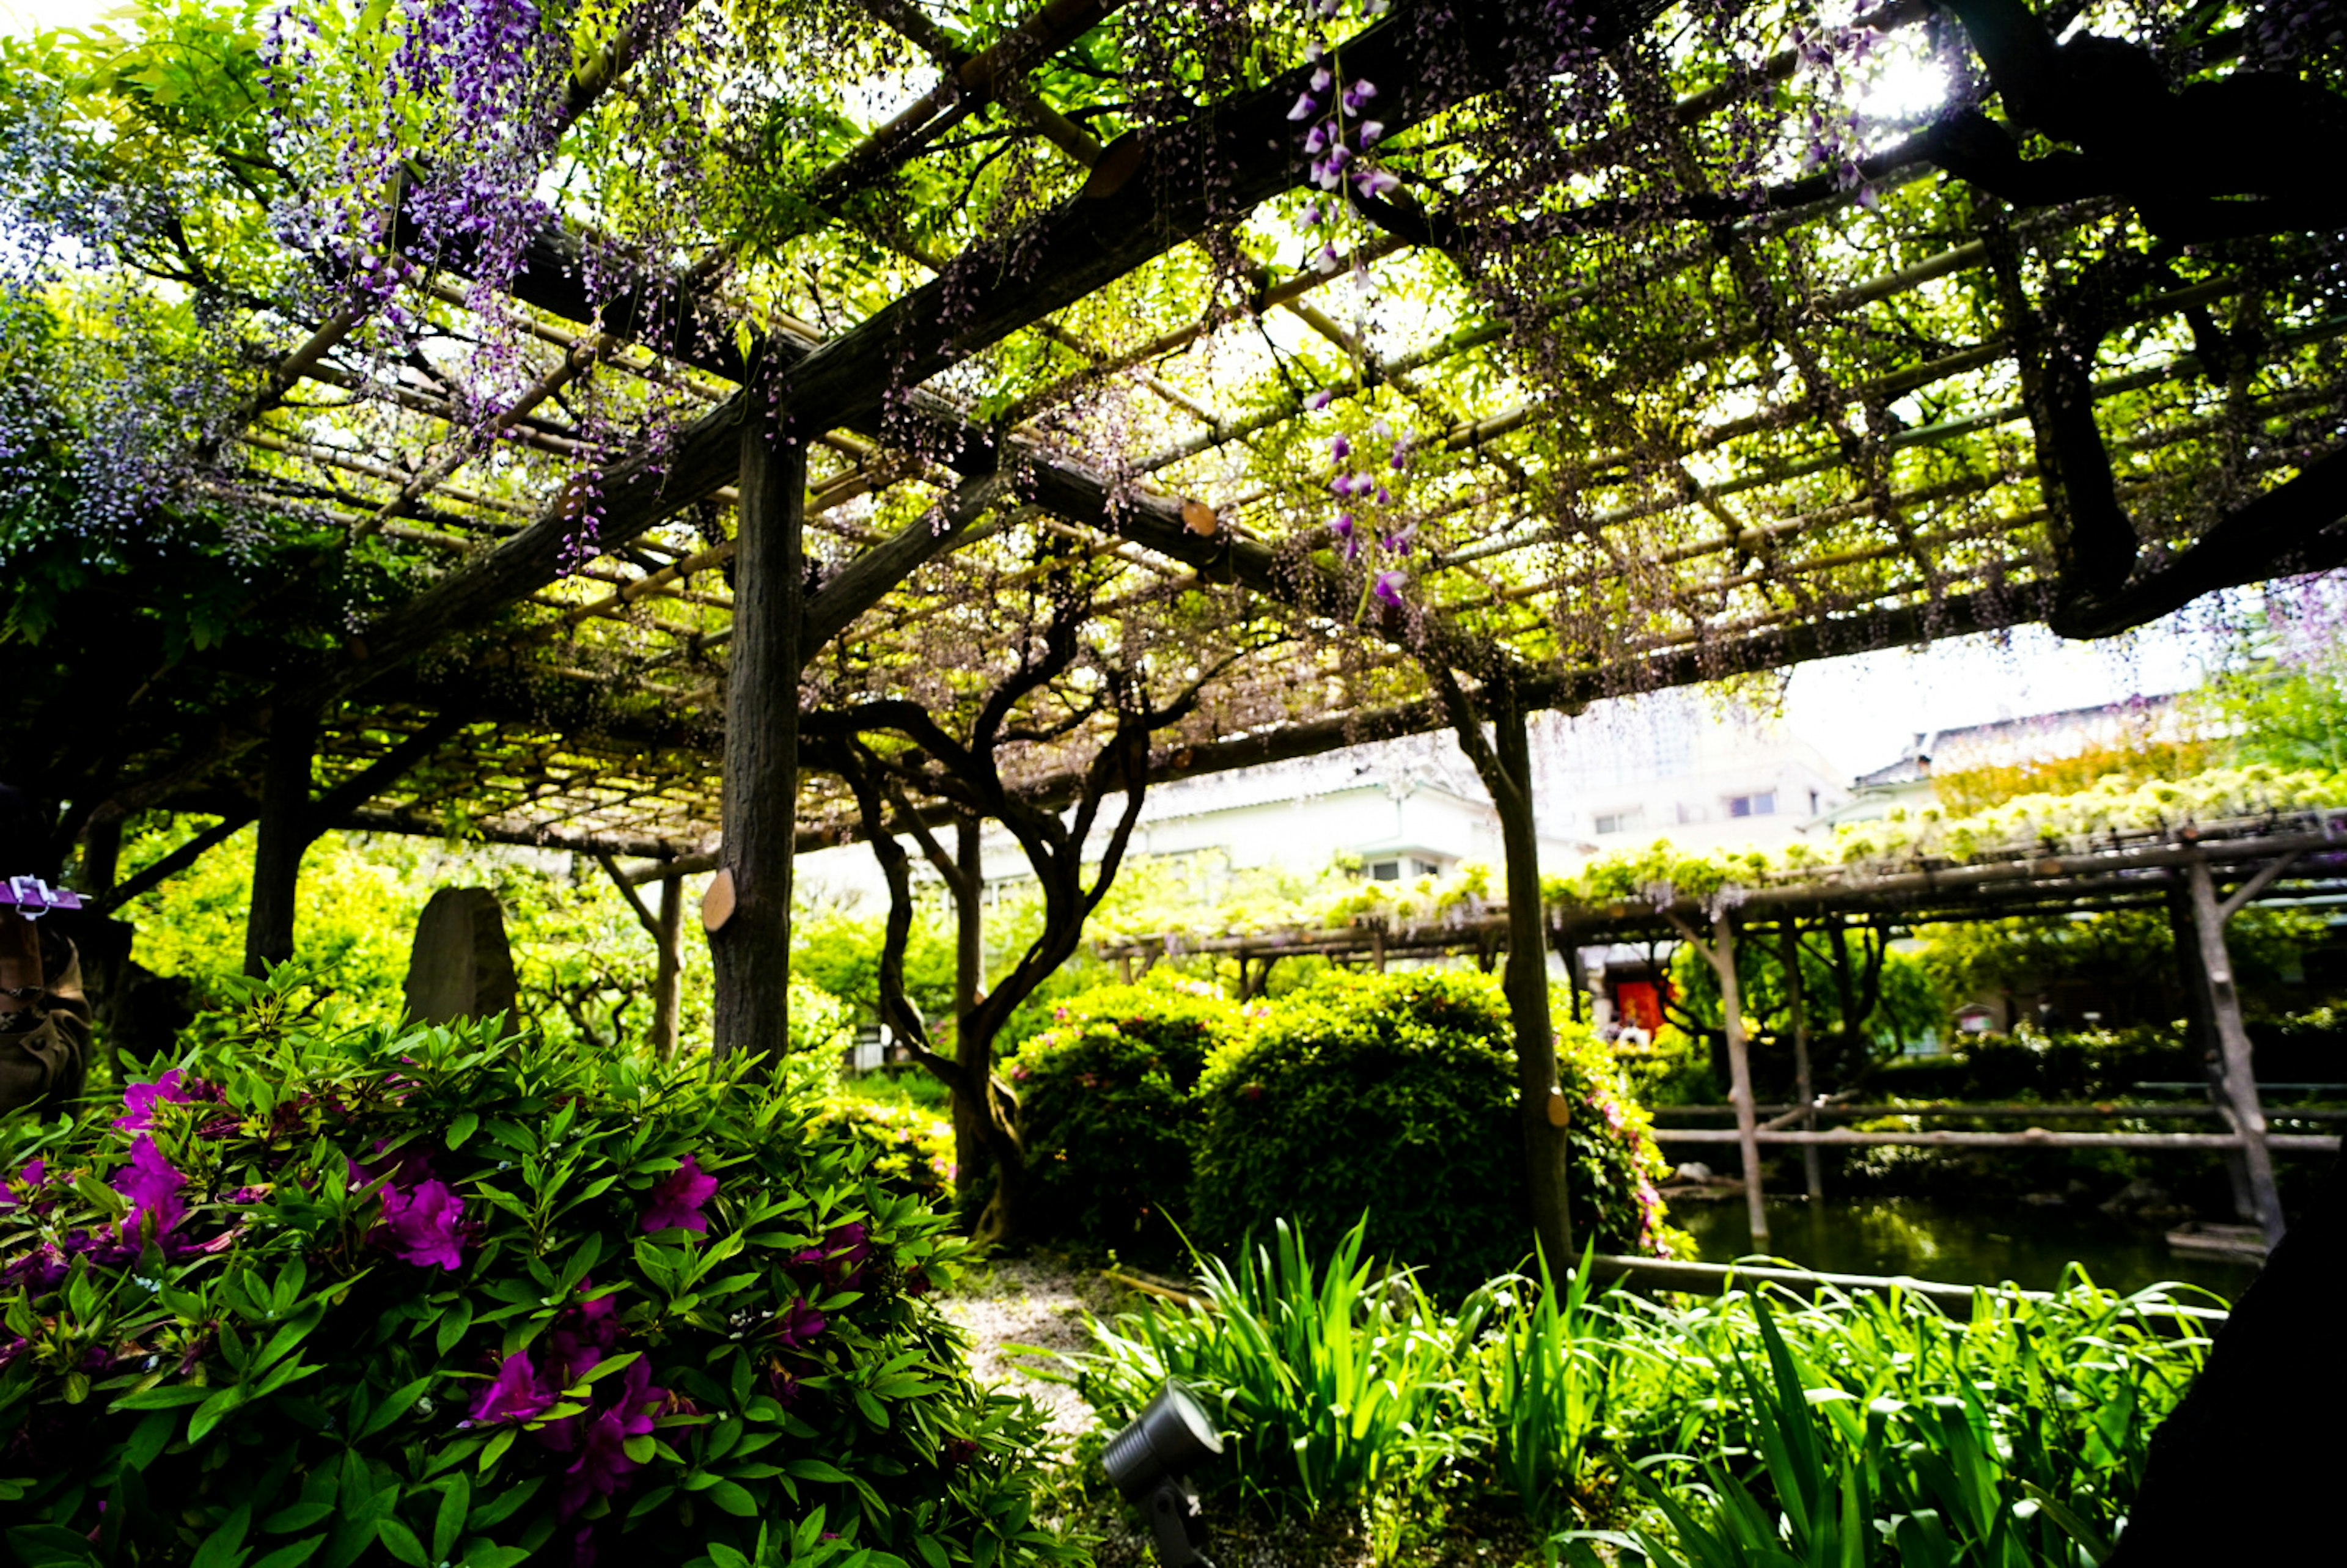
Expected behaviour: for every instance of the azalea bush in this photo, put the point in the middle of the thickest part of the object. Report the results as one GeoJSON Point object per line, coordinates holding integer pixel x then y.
{"type": "Point", "coordinates": [336, 1295]}
{"type": "Point", "coordinates": [1396, 1095]}
{"type": "Point", "coordinates": [1105, 1105]}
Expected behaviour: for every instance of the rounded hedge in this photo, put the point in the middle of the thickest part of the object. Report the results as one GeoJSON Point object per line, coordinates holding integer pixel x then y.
{"type": "Point", "coordinates": [354, 1298]}
{"type": "Point", "coordinates": [1395, 1095]}
{"type": "Point", "coordinates": [1107, 1111]}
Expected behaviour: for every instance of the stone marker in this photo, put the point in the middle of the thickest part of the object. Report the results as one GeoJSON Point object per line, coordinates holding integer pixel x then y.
{"type": "Point", "coordinates": [461, 967]}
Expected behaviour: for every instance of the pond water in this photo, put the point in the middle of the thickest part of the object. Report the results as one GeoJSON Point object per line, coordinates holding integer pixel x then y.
{"type": "Point", "coordinates": [1958, 1243]}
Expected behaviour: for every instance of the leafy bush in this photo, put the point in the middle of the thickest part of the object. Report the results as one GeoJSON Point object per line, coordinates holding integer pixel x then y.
{"type": "Point", "coordinates": [1106, 1107]}
{"type": "Point", "coordinates": [333, 1294]}
{"type": "Point", "coordinates": [1397, 1095]}
{"type": "Point", "coordinates": [912, 1151]}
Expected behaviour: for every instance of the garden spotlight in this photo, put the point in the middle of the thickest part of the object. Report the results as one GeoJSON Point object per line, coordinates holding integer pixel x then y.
{"type": "Point", "coordinates": [1146, 1461]}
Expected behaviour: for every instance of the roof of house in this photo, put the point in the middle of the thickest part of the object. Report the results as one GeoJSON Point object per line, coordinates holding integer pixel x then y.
{"type": "Point", "coordinates": [2013, 738]}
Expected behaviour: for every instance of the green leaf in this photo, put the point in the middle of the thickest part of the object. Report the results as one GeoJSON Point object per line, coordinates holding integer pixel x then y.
{"type": "Point", "coordinates": [224, 1403]}
{"type": "Point", "coordinates": [495, 1451]}
{"type": "Point", "coordinates": [391, 1409]}
{"type": "Point", "coordinates": [158, 1398]}
{"type": "Point", "coordinates": [296, 1516]}
{"type": "Point", "coordinates": [293, 1556]}
{"type": "Point", "coordinates": [456, 1502]}
{"type": "Point", "coordinates": [734, 1499]}
{"type": "Point", "coordinates": [400, 1541]}
{"type": "Point", "coordinates": [224, 1547]}
{"type": "Point", "coordinates": [815, 1470]}
{"type": "Point", "coordinates": [461, 1127]}
{"type": "Point", "coordinates": [479, 1553]}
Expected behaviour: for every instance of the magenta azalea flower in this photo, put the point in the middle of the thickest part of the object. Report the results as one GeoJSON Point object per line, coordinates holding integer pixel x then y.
{"type": "Point", "coordinates": [841, 1254]}
{"type": "Point", "coordinates": [582, 1337]}
{"type": "Point", "coordinates": [426, 1224]}
{"type": "Point", "coordinates": [678, 1200]}
{"type": "Point", "coordinates": [600, 1440]}
{"type": "Point", "coordinates": [801, 1326]}
{"type": "Point", "coordinates": [152, 1184]}
{"type": "Point", "coordinates": [35, 1172]}
{"type": "Point", "coordinates": [515, 1394]}
{"type": "Point", "coordinates": [139, 1100]}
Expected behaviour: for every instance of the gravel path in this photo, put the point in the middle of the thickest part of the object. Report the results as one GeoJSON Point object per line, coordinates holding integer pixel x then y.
{"type": "Point", "coordinates": [1036, 1299]}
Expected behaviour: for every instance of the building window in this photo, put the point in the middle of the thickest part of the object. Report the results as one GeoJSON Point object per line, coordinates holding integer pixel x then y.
{"type": "Point", "coordinates": [1384, 870]}
{"type": "Point", "coordinates": [1424, 868]}
{"type": "Point", "coordinates": [1690, 812]}
{"type": "Point", "coordinates": [1621, 821]}
{"type": "Point", "coordinates": [1761, 805]}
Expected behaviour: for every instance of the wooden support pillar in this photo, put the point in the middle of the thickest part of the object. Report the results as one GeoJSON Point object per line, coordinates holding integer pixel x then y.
{"type": "Point", "coordinates": [1541, 1102]}
{"type": "Point", "coordinates": [2201, 1035]}
{"type": "Point", "coordinates": [101, 857]}
{"type": "Point", "coordinates": [1722, 955]}
{"type": "Point", "coordinates": [2242, 1109]}
{"type": "Point", "coordinates": [668, 935]}
{"type": "Point", "coordinates": [1378, 946]}
{"type": "Point", "coordinates": [1804, 1086]}
{"type": "Point", "coordinates": [748, 912]}
{"type": "Point", "coordinates": [287, 827]}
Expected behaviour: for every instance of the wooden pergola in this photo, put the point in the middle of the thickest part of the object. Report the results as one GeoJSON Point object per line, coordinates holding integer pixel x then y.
{"type": "Point", "coordinates": [1732, 415]}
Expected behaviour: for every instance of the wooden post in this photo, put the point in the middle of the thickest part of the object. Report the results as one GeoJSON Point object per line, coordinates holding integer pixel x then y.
{"type": "Point", "coordinates": [287, 827]}
{"type": "Point", "coordinates": [1804, 1088]}
{"type": "Point", "coordinates": [1377, 944]}
{"type": "Point", "coordinates": [2247, 1116]}
{"type": "Point", "coordinates": [2200, 1034]}
{"type": "Point", "coordinates": [101, 857]}
{"type": "Point", "coordinates": [749, 914]}
{"type": "Point", "coordinates": [1541, 1103]}
{"type": "Point", "coordinates": [668, 973]}
{"type": "Point", "coordinates": [1722, 956]}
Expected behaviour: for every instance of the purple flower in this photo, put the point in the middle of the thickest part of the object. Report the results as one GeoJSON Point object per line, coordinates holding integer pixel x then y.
{"type": "Point", "coordinates": [140, 1100]}
{"type": "Point", "coordinates": [841, 1254]}
{"type": "Point", "coordinates": [1319, 401]}
{"type": "Point", "coordinates": [35, 1172]}
{"type": "Point", "coordinates": [801, 1326]}
{"type": "Point", "coordinates": [1314, 140]}
{"type": "Point", "coordinates": [152, 1184]}
{"type": "Point", "coordinates": [1306, 108]}
{"type": "Point", "coordinates": [1322, 80]}
{"type": "Point", "coordinates": [1359, 92]}
{"type": "Point", "coordinates": [1400, 541]}
{"type": "Point", "coordinates": [425, 1223]}
{"type": "Point", "coordinates": [582, 1337]}
{"type": "Point", "coordinates": [600, 1440]}
{"type": "Point", "coordinates": [677, 1201]}
{"type": "Point", "coordinates": [1388, 587]}
{"type": "Point", "coordinates": [1372, 130]}
{"type": "Point", "coordinates": [1339, 449]}
{"type": "Point", "coordinates": [515, 1394]}
{"type": "Point", "coordinates": [1376, 183]}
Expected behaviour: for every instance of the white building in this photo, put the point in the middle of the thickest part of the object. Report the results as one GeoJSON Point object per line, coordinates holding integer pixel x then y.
{"type": "Point", "coordinates": [1672, 765]}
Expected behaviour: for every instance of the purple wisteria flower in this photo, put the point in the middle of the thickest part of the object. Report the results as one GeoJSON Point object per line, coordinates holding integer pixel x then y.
{"type": "Point", "coordinates": [515, 1394]}
{"type": "Point", "coordinates": [152, 1184]}
{"type": "Point", "coordinates": [1388, 587]}
{"type": "Point", "coordinates": [425, 1224]}
{"type": "Point", "coordinates": [139, 1100]}
{"type": "Point", "coordinates": [678, 1200]}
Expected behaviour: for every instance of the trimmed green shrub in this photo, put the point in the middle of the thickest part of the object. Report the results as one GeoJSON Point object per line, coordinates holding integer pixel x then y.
{"type": "Point", "coordinates": [912, 1151]}
{"type": "Point", "coordinates": [1396, 1095]}
{"type": "Point", "coordinates": [333, 1296]}
{"type": "Point", "coordinates": [1106, 1109]}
